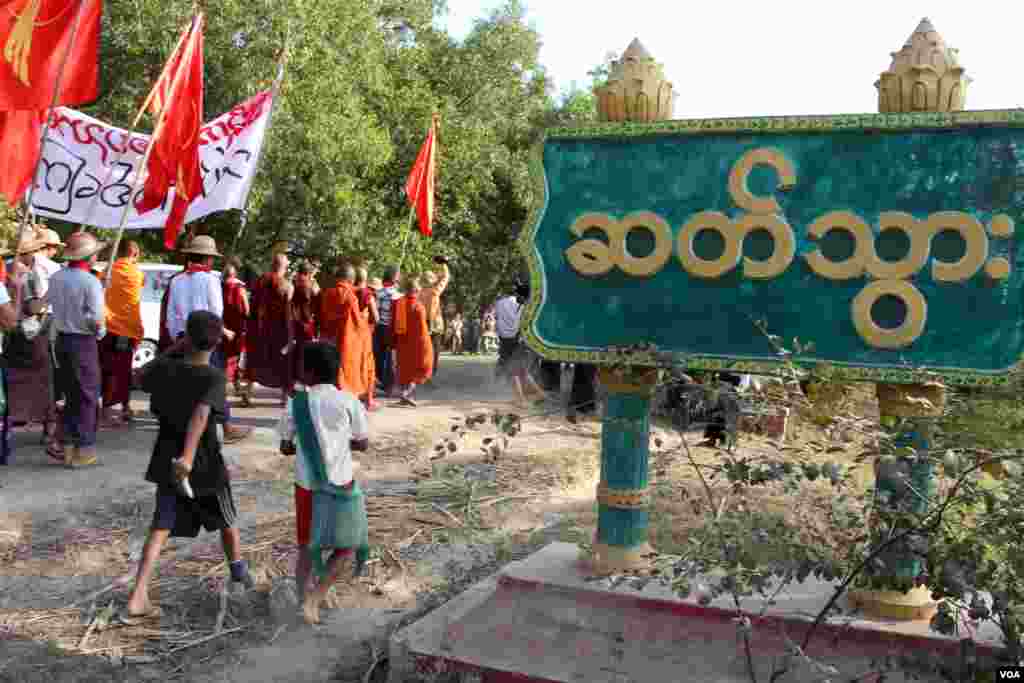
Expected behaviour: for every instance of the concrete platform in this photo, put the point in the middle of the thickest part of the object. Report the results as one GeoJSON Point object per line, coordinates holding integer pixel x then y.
{"type": "Point", "coordinates": [539, 620]}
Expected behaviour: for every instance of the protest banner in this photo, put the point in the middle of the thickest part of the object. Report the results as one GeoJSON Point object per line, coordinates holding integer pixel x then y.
{"type": "Point", "coordinates": [87, 170]}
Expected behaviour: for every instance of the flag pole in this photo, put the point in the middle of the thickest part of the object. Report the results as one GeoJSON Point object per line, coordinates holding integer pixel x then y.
{"type": "Point", "coordinates": [42, 141]}
{"type": "Point", "coordinates": [275, 91]}
{"type": "Point", "coordinates": [46, 126]}
{"type": "Point", "coordinates": [185, 59]}
{"type": "Point", "coordinates": [408, 231]}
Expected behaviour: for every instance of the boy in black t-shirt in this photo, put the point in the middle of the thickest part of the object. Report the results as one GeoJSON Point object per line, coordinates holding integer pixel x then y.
{"type": "Point", "coordinates": [188, 397]}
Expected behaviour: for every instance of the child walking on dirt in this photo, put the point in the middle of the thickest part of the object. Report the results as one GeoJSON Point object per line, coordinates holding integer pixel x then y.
{"type": "Point", "coordinates": [188, 397]}
{"type": "Point", "coordinates": [321, 427]}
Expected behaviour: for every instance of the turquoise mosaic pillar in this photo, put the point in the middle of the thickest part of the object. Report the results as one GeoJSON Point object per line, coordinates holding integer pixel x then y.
{"type": "Point", "coordinates": [907, 483]}
{"type": "Point", "coordinates": [622, 494]}
{"type": "Point", "coordinates": [904, 482]}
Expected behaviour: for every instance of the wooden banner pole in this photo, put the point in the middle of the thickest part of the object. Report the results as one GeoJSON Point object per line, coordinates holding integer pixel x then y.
{"type": "Point", "coordinates": [185, 59]}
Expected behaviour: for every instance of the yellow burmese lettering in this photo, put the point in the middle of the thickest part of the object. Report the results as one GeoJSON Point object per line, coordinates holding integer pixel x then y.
{"type": "Point", "coordinates": [920, 238]}
{"type": "Point", "coordinates": [643, 266]}
{"type": "Point", "coordinates": [783, 250]}
{"type": "Point", "coordinates": [863, 253]}
{"type": "Point", "coordinates": [702, 268]}
{"type": "Point", "coordinates": [591, 257]}
{"type": "Point", "coordinates": [742, 195]}
{"type": "Point", "coordinates": [879, 337]}
{"type": "Point", "coordinates": [975, 238]}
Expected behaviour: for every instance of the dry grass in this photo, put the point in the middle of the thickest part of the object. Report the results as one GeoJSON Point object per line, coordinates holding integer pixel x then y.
{"type": "Point", "coordinates": [80, 552]}
{"type": "Point", "coordinates": [558, 466]}
{"type": "Point", "coordinates": [188, 588]}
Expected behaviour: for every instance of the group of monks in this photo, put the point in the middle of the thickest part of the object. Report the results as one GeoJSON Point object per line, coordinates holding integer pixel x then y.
{"type": "Point", "coordinates": [273, 321]}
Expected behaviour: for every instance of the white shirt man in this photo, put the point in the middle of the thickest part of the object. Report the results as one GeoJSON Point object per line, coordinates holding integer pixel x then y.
{"type": "Point", "coordinates": [45, 266]}
{"type": "Point", "coordinates": [192, 291]}
{"type": "Point", "coordinates": [506, 314]}
{"type": "Point", "coordinates": [198, 289]}
{"type": "Point", "coordinates": [385, 298]}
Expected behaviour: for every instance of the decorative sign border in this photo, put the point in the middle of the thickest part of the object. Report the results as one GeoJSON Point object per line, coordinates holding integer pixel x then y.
{"type": "Point", "coordinates": [777, 124]}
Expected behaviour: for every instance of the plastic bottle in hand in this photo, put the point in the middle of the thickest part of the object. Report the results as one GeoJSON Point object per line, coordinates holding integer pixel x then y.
{"type": "Point", "coordinates": [184, 488]}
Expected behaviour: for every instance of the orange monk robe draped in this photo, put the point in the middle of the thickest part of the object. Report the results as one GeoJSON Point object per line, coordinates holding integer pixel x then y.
{"type": "Point", "coordinates": [368, 310]}
{"type": "Point", "coordinates": [124, 301]}
{"type": "Point", "coordinates": [341, 321]}
{"type": "Point", "coordinates": [415, 352]}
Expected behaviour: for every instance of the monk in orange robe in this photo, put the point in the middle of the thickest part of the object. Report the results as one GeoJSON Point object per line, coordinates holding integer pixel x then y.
{"type": "Point", "coordinates": [414, 350]}
{"type": "Point", "coordinates": [342, 325]}
{"type": "Point", "coordinates": [269, 350]}
{"type": "Point", "coordinates": [367, 298]}
{"type": "Point", "coordinates": [124, 332]}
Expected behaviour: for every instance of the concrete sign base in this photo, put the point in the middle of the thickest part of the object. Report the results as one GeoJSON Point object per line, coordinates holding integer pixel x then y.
{"type": "Point", "coordinates": [540, 620]}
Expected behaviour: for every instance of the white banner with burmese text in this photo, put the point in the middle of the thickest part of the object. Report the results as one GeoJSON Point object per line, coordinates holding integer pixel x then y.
{"type": "Point", "coordinates": [87, 169]}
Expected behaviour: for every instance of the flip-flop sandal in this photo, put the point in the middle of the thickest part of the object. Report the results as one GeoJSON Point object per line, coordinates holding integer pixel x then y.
{"type": "Point", "coordinates": [237, 436]}
{"type": "Point", "coordinates": [126, 619]}
{"type": "Point", "coordinates": [55, 452]}
{"type": "Point", "coordinates": [407, 402]}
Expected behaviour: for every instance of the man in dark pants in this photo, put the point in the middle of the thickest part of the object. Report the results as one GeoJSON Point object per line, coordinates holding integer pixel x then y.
{"type": "Point", "coordinates": [79, 315]}
{"type": "Point", "coordinates": [551, 376]}
{"type": "Point", "coordinates": [583, 397]}
{"type": "Point", "coordinates": [383, 343]}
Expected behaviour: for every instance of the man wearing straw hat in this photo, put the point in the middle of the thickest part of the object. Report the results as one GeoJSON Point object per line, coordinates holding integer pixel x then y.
{"type": "Point", "coordinates": [79, 315]}
{"type": "Point", "coordinates": [45, 265]}
{"type": "Point", "coordinates": [198, 289]}
{"type": "Point", "coordinates": [29, 353]}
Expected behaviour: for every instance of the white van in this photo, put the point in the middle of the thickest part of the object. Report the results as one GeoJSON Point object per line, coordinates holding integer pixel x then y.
{"type": "Point", "coordinates": [157, 276]}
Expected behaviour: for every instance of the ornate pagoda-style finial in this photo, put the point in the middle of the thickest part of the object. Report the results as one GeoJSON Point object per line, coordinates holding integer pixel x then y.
{"type": "Point", "coordinates": [636, 89]}
{"type": "Point", "coordinates": [925, 75]}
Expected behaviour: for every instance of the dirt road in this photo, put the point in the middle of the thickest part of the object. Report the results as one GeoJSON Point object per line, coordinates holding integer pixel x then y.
{"type": "Point", "coordinates": [67, 535]}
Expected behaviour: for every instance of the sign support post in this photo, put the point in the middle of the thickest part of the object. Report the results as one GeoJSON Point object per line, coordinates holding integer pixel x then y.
{"type": "Point", "coordinates": [623, 497]}
{"type": "Point", "coordinates": [906, 479]}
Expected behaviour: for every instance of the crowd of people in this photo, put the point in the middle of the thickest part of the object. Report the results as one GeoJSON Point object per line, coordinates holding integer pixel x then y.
{"type": "Point", "coordinates": [68, 351]}
{"type": "Point", "coordinates": [75, 338]}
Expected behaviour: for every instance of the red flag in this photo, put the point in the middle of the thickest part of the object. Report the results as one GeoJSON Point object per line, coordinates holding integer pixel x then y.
{"type": "Point", "coordinates": [19, 141]}
{"type": "Point", "coordinates": [161, 91]}
{"type": "Point", "coordinates": [174, 160]}
{"type": "Point", "coordinates": [419, 188]}
{"type": "Point", "coordinates": [34, 38]}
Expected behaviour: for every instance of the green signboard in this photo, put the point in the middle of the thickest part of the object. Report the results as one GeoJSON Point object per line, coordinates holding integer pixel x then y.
{"type": "Point", "coordinates": [885, 241]}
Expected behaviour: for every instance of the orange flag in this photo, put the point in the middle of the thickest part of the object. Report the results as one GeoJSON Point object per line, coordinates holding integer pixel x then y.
{"type": "Point", "coordinates": [419, 188]}
{"type": "Point", "coordinates": [19, 151]}
{"type": "Point", "coordinates": [34, 38]}
{"type": "Point", "coordinates": [174, 159]}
